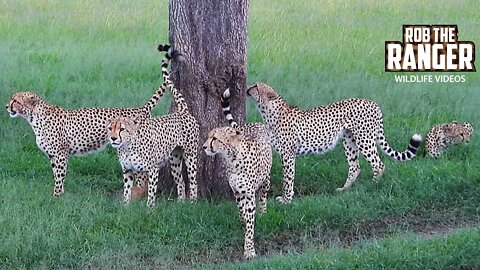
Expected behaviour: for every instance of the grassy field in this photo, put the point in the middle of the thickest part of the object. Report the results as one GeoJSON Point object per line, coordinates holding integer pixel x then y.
{"type": "Point", "coordinates": [424, 214]}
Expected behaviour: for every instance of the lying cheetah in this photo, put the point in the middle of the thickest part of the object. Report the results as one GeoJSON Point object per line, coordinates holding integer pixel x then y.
{"type": "Point", "coordinates": [444, 135]}
{"type": "Point", "coordinates": [296, 132]}
{"type": "Point", "coordinates": [248, 157]}
{"type": "Point", "coordinates": [61, 133]}
{"type": "Point", "coordinates": [144, 144]}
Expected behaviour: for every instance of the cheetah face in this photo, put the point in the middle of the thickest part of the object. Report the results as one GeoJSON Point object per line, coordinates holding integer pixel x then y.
{"type": "Point", "coordinates": [22, 104]}
{"type": "Point", "coordinates": [262, 94]}
{"type": "Point", "coordinates": [457, 133]}
{"type": "Point", "coordinates": [120, 131]}
{"type": "Point", "coordinates": [219, 140]}
{"type": "Point", "coordinates": [469, 128]}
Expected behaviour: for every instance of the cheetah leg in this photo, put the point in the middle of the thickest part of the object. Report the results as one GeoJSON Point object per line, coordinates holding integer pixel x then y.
{"type": "Point", "coordinates": [439, 150]}
{"type": "Point", "coordinates": [435, 153]}
{"type": "Point", "coordinates": [191, 163]}
{"type": "Point", "coordinates": [142, 179]}
{"type": "Point", "coordinates": [288, 164]}
{"type": "Point", "coordinates": [59, 167]}
{"type": "Point", "coordinates": [263, 194]}
{"type": "Point", "coordinates": [352, 154]}
{"type": "Point", "coordinates": [176, 169]}
{"type": "Point", "coordinates": [369, 151]}
{"type": "Point", "coordinates": [142, 183]}
{"type": "Point", "coordinates": [246, 208]}
{"type": "Point", "coordinates": [152, 186]}
{"type": "Point", "coordinates": [127, 186]}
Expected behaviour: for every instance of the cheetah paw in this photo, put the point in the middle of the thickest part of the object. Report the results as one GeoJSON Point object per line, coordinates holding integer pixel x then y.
{"type": "Point", "coordinates": [282, 200]}
{"type": "Point", "coordinates": [249, 254]}
{"type": "Point", "coordinates": [57, 194]}
{"type": "Point", "coordinates": [151, 205]}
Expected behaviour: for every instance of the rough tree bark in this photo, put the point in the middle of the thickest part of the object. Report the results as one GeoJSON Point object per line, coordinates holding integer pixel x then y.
{"type": "Point", "coordinates": [212, 35]}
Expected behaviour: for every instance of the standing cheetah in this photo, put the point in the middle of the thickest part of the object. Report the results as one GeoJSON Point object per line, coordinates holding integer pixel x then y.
{"type": "Point", "coordinates": [145, 144]}
{"type": "Point", "coordinates": [248, 157]}
{"type": "Point", "coordinates": [444, 135]}
{"type": "Point", "coordinates": [296, 132]}
{"type": "Point", "coordinates": [61, 133]}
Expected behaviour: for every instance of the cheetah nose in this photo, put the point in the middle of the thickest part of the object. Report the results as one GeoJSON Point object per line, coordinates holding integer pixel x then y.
{"type": "Point", "coordinates": [113, 138]}
{"type": "Point", "coordinates": [204, 147]}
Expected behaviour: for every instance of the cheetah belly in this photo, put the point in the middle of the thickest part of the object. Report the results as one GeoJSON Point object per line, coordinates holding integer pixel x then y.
{"type": "Point", "coordinates": [88, 148]}
{"type": "Point", "coordinates": [89, 138]}
{"type": "Point", "coordinates": [318, 141]}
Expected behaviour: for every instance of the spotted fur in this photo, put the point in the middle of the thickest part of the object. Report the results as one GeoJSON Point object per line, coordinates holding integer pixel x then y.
{"type": "Point", "coordinates": [61, 133]}
{"type": "Point", "coordinates": [296, 132]}
{"type": "Point", "coordinates": [248, 158]}
{"type": "Point", "coordinates": [248, 164]}
{"type": "Point", "coordinates": [444, 135]}
{"type": "Point", "coordinates": [257, 131]}
{"type": "Point", "coordinates": [145, 144]}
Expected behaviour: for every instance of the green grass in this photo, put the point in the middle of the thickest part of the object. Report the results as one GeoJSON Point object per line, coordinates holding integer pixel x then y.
{"type": "Point", "coordinates": [460, 250]}
{"type": "Point", "coordinates": [102, 53]}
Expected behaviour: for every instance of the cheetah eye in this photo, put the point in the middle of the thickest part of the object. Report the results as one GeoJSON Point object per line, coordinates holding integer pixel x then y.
{"type": "Point", "coordinates": [122, 129]}
{"type": "Point", "coordinates": [110, 128]}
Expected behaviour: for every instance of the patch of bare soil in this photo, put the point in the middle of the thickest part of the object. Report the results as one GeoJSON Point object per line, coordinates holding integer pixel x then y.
{"type": "Point", "coordinates": [323, 237]}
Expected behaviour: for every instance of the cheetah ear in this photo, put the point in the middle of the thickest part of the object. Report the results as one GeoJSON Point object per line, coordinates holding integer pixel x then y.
{"type": "Point", "coordinates": [271, 95]}
{"type": "Point", "coordinates": [233, 132]}
{"type": "Point", "coordinates": [31, 102]}
{"type": "Point", "coordinates": [109, 122]}
{"type": "Point", "coordinates": [269, 92]}
{"type": "Point", "coordinates": [135, 121]}
{"type": "Point", "coordinates": [447, 130]}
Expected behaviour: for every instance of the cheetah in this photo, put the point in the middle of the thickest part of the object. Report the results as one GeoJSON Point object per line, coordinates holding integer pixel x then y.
{"type": "Point", "coordinates": [61, 133]}
{"type": "Point", "coordinates": [144, 145]}
{"type": "Point", "coordinates": [443, 135]}
{"type": "Point", "coordinates": [296, 132]}
{"type": "Point", "coordinates": [248, 157]}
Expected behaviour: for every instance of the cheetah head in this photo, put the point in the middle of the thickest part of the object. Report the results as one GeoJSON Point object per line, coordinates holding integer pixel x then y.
{"type": "Point", "coordinates": [120, 131]}
{"type": "Point", "coordinates": [469, 131]}
{"type": "Point", "coordinates": [262, 94]}
{"type": "Point", "coordinates": [220, 140]}
{"type": "Point", "coordinates": [22, 104]}
{"type": "Point", "coordinates": [457, 133]}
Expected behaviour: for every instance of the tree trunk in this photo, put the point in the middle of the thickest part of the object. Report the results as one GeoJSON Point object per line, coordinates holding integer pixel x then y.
{"type": "Point", "coordinates": [212, 35]}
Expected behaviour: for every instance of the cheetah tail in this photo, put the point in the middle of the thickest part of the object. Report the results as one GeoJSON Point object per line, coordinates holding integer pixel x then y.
{"type": "Point", "coordinates": [177, 96]}
{"type": "Point", "coordinates": [171, 54]}
{"type": "Point", "coordinates": [400, 156]}
{"type": "Point", "coordinates": [226, 108]}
